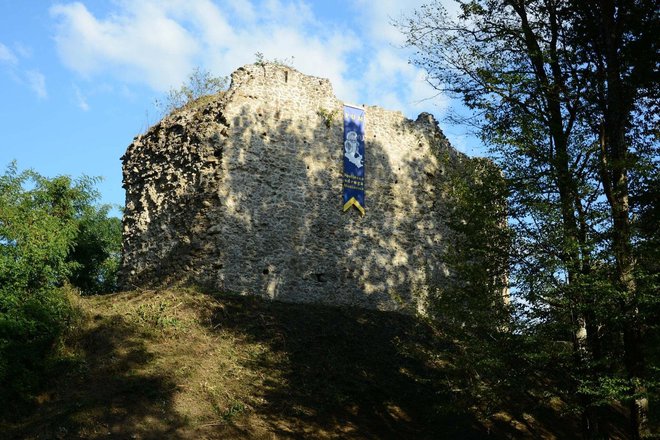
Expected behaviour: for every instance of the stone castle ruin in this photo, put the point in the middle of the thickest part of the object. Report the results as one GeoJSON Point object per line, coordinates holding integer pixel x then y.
{"type": "Point", "coordinates": [241, 192]}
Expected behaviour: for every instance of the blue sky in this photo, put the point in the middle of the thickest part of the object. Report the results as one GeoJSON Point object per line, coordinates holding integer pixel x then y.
{"type": "Point", "coordinates": [78, 80]}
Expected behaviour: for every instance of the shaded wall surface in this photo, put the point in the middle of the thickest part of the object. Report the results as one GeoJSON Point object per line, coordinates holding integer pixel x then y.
{"type": "Point", "coordinates": [242, 193]}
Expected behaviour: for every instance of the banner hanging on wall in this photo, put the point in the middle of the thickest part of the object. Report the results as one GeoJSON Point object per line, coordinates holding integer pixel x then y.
{"type": "Point", "coordinates": [353, 177]}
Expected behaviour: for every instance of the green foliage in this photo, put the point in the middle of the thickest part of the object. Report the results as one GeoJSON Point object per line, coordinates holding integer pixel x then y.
{"type": "Point", "coordinates": [473, 309]}
{"type": "Point", "coordinates": [49, 234]}
{"type": "Point", "coordinates": [37, 228]}
{"type": "Point", "coordinates": [157, 315]}
{"type": "Point", "coordinates": [233, 411]}
{"type": "Point", "coordinates": [563, 94]}
{"type": "Point", "coordinates": [474, 207]}
{"type": "Point", "coordinates": [31, 323]}
{"type": "Point", "coordinates": [328, 116]}
{"type": "Point", "coordinates": [200, 84]}
{"type": "Point", "coordinates": [261, 60]}
{"type": "Point", "coordinates": [96, 252]}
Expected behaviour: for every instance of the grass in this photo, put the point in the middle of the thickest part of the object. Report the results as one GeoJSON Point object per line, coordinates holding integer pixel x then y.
{"type": "Point", "coordinates": [181, 364]}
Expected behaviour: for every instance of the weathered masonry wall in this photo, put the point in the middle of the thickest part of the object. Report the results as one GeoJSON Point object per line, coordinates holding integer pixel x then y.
{"type": "Point", "coordinates": [243, 193]}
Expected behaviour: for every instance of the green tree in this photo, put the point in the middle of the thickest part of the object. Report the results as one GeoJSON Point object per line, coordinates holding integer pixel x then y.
{"type": "Point", "coordinates": [95, 254]}
{"type": "Point", "coordinates": [617, 48]}
{"type": "Point", "coordinates": [37, 227]}
{"type": "Point", "coordinates": [473, 309]}
{"type": "Point", "coordinates": [527, 71]}
{"type": "Point", "coordinates": [474, 194]}
{"type": "Point", "coordinates": [200, 83]}
{"type": "Point", "coordinates": [41, 222]}
{"type": "Point", "coordinates": [508, 66]}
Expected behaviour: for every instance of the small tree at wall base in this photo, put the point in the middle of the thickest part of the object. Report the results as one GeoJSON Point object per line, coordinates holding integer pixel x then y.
{"type": "Point", "coordinates": [95, 254]}
{"type": "Point", "coordinates": [473, 309]}
{"type": "Point", "coordinates": [41, 221]}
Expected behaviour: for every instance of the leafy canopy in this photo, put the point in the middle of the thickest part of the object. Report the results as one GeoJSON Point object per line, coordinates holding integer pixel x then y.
{"type": "Point", "coordinates": [50, 233]}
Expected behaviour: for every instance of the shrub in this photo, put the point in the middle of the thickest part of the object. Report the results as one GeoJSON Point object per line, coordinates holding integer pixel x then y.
{"type": "Point", "coordinates": [50, 233]}
{"type": "Point", "coordinates": [200, 83]}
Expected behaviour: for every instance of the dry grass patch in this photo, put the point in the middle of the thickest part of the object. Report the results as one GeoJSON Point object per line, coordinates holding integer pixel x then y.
{"type": "Point", "coordinates": [180, 364]}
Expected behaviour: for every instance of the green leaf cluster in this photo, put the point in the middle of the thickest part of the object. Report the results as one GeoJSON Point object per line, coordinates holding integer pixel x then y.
{"type": "Point", "coordinates": [200, 84]}
{"type": "Point", "coordinates": [51, 234]}
{"type": "Point", "coordinates": [565, 95]}
{"type": "Point", "coordinates": [473, 308]}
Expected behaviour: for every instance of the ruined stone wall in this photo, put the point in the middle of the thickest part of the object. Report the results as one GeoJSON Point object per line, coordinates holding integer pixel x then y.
{"type": "Point", "coordinates": [242, 193]}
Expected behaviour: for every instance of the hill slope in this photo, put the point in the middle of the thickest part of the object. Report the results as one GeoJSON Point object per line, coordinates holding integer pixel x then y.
{"type": "Point", "coordinates": [180, 364]}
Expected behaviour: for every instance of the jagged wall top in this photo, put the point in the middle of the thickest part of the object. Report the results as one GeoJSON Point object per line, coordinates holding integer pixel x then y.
{"type": "Point", "coordinates": [243, 193]}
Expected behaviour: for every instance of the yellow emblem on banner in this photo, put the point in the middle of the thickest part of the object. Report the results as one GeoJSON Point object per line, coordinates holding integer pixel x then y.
{"type": "Point", "coordinates": [353, 202]}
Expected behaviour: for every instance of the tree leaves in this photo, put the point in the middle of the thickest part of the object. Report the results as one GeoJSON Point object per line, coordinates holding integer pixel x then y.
{"type": "Point", "coordinates": [50, 233]}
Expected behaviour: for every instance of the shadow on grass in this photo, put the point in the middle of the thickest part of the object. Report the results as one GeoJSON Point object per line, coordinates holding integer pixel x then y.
{"type": "Point", "coordinates": [105, 391]}
{"type": "Point", "coordinates": [346, 373]}
{"type": "Point", "coordinates": [279, 371]}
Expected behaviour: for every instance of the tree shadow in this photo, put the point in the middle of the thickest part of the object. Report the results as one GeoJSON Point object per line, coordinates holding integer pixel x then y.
{"type": "Point", "coordinates": [346, 373]}
{"type": "Point", "coordinates": [246, 198]}
{"type": "Point", "coordinates": [258, 212]}
{"type": "Point", "coordinates": [105, 391]}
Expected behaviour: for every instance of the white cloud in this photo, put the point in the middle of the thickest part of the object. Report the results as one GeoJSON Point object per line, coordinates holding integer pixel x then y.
{"type": "Point", "coordinates": [22, 50]}
{"type": "Point", "coordinates": [326, 56]}
{"type": "Point", "coordinates": [141, 44]}
{"type": "Point", "coordinates": [33, 78]}
{"type": "Point", "coordinates": [244, 10]}
{"type": "Point", "coordinates": [7, 56]}
{"type": "Point", "coordinates": [378, 16]}
{"type": "Point", "coordinates": [423, 95]}
{"type": "Point", "coordinates": [37, 82]}
{"type": "Point", "coordinates": [81, 100]}
{"type": "Point", "coordinates": [158, 42]}
{"type": "Point", "coordinates": [288, 14]}
{"type": "Point", "coordinates": [391, 81]}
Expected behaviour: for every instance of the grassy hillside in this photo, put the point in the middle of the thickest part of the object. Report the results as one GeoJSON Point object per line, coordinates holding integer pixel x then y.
{"type": "Point", "coordinates": [181, 364]}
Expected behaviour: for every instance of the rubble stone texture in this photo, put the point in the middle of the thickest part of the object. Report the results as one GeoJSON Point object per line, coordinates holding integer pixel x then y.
{"type": "Point", "coordinates": [242, 193]}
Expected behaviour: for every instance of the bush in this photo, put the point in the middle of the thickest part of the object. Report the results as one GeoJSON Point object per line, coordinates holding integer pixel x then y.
{"type": "Point", "coordinates": [31, 324]}
{"type": "Point", "coordinates": [95, 255]}
{"type": "Point", "coordinates": [200, 83]}
{"type": "Point", "coordinates": [50, 233]}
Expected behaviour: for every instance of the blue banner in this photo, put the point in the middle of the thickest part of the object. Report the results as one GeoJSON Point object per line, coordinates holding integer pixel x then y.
{"type": "Point", "coordinates": [353, 177]}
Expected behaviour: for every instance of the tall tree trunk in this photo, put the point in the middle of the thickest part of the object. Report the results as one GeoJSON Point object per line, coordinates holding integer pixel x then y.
{"type": "Point", "coordinates": [615, 182]}
{"type": "Point", "coordinates": [551, 85]}
{"type": "Point", "coordinates": [615, 164]}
